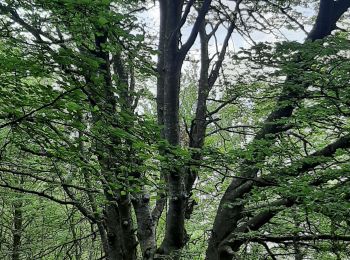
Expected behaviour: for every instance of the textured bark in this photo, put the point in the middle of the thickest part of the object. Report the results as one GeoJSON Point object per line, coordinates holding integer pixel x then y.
{"type": "Point", "coordinates": [115, 248]}
{"type": "Point", "coordinates": [119, 230]}
{"type": "Point", "coordinates": [145, 225]}
{"type": "Point", "coordinates": [127, 227]}
{"type": "Point", "coordinates": [227, 217]}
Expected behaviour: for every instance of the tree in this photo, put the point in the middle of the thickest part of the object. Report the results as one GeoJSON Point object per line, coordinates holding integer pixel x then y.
{"type": "Point", "coordinates": [78, 127]}
{"type": "Point", "coordinates": [222, 244]}
{"type": "Point", "coordinates": [261, 133]}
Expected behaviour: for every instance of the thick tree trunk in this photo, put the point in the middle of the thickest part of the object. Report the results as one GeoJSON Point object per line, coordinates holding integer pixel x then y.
{"type": "Point", "coordinates": [115, 248]}
{"type": "Point", "coordinates": [145, 225]}
{"type": "Point", "coordinates": [175, 220]}
{"type": "Point", "coordinates": [169, 93]}
{"type": "Point", "coordinates": [127, 227]}
{"type": "Point", "coordinates": [121, 239]}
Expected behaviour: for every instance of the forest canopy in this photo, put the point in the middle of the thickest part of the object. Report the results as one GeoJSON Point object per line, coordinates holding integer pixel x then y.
{"type": "Point", "coordinates": [173, 129]}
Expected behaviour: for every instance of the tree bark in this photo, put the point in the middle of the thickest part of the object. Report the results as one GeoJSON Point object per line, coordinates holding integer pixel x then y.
{"type": "Point", "coordinates": [17, 230]}
{"type": "Point", "coordinates": [146, 231]}
{"type": "Point", "coordinates": [169, 67]}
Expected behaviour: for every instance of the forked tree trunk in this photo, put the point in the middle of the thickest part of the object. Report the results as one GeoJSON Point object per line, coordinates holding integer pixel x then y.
{"type": "Point", "coordinates": [171, 58]}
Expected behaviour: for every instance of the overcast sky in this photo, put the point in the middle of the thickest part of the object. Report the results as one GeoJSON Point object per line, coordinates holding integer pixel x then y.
{"type": "Point", "coordinates": [151, 17]}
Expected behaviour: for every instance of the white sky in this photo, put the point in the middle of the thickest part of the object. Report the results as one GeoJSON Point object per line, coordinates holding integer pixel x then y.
{"type": "Point", "coordinates": [151, 17]}
{"type": "Point", "coordinates": [151, 20]}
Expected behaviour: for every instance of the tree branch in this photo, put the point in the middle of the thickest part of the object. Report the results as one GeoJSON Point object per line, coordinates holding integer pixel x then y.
{"type": "Point", "coordinates": [39, 108]}
{"type": "Point", "coordinates": [195, 29]}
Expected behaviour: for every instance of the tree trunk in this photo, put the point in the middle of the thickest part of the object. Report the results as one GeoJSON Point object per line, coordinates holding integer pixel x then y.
{"type": "Point", "coordinates": [169, 67]}
{"type": "Point", "coordinates": [175, 220]}
{"type": "Point", "coordinates": [17, 230]}
{"type": "Point", "coordinates": [168, 95]}
{"type": "Point", "coordinates": [115, 248]}
{"type": "Point", "coordinates": [121, 240]}
{"type": "Point", "coordinates": [145, 225]}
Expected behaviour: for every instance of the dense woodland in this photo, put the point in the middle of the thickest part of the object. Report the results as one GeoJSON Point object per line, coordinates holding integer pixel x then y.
{"type": "Point", "coordinates": [174, 129]}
